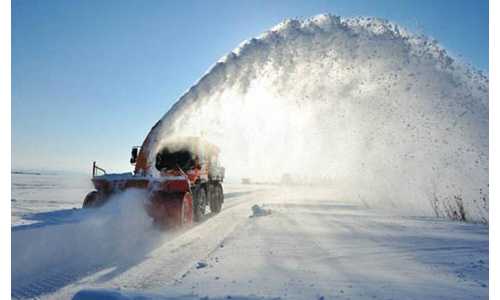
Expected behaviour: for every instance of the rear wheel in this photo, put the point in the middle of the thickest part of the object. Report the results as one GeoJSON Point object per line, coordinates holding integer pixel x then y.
{"type": "Point", "coordinates": [91, 200]}
{"type": "Point", "coordinates": [199, 203]}
{"type": "Point", "coordinates": [217, 197]}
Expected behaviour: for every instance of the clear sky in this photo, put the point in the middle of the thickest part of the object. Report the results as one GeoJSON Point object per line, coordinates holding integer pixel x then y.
{"type": "Point", "coordinates": [90, 78]}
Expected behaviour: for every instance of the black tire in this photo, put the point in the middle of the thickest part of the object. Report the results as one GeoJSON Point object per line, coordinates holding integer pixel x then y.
{"type": "Point", "coordinates": [217, 197]}
{"type": "Point", "coordinates": [95, 199]}
{"type": "Point", "coordinates": [199, 203]}
{"type": "Point", "coordinates": [212, 197]}
{"type": "Point", "coordinates": [90, 200]}
{"type": "Point", "coordinates": [221, 193]}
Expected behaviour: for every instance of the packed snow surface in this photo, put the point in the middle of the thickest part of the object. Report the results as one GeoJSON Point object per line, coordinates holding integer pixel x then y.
{"type": "Point", "coordinates": [316, 244]}
{"type": "Point", "coordinates": [359, 102]}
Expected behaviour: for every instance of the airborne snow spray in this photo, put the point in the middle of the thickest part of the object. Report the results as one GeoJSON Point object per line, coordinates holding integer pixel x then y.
{"type": "Point", "coordinates": [386, 116]}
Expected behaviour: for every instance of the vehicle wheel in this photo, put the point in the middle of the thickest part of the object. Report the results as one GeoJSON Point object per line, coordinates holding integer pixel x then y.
{"type": "Point", "coordinates": [212, 197]}
{"type": "Point", "coordinates": [199, 203]}
{"type": "Point", "coordinates": [221, 193]}
{"type": "Point", "coordinates": [217, 198]}
{"type": "Point", "coordinates": [91, 200]}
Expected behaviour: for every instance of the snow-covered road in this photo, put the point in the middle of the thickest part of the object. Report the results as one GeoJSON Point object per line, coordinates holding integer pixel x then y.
{"type": "Point", "coordinates": [312, 246]}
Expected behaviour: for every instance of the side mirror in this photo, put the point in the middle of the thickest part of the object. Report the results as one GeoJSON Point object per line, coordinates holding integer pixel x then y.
{"type": "Point", "coordinates": [134, 153]}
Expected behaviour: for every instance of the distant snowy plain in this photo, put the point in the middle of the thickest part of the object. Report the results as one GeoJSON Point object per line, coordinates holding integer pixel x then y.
{"type": "Point", "coordinates": [314, 244]}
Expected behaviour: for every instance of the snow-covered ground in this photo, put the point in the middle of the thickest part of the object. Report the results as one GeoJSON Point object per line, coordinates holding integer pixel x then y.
{"type": "Point", "coordinates": [300, 243]}
{"type": "Point", "coordinates": [38, 197]}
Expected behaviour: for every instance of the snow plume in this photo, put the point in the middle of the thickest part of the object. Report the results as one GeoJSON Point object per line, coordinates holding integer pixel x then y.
{"type": "Point", "coordinates": [385, 115]}
{"type": "Point", "coordinates": [115, 235]}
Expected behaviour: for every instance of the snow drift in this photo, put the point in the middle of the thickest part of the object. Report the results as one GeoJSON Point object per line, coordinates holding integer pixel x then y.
{"type": "Point", "coordinates": [387, 116]}
{"type": "Point", "coordinates": [115, 236]}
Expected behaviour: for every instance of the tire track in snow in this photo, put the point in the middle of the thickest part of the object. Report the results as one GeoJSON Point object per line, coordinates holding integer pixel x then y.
{"type": "Point", "coordinates": [164, 265]}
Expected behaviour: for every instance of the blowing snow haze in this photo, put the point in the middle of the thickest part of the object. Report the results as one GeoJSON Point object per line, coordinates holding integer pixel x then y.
{"type": "Point", "coordinates": [387, 115]}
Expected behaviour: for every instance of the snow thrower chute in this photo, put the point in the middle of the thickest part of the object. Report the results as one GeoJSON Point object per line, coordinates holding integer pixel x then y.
{"type": "Point", "coordinates": [184, 178]}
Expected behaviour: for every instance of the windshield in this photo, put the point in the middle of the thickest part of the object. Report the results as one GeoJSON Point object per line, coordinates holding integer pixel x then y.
{"type": "Point", "coordinates": [168, 160]}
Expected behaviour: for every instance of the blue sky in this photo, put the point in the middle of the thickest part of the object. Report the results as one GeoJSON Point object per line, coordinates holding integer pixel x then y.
{"type": "Point", "coordinates": [89, 78]}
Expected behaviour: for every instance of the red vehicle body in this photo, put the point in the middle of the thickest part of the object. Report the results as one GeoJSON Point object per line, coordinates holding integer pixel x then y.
{"type": "Point", "coordinates": [184, 178]}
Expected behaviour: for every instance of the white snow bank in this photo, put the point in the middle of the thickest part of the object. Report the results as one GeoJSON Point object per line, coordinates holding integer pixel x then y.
{"type": "Point", "coordinates": [387, 116]}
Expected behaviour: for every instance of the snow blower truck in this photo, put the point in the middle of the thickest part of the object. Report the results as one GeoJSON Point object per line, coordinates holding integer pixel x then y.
{"type": "Point", "coordinates": [184, 179]}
